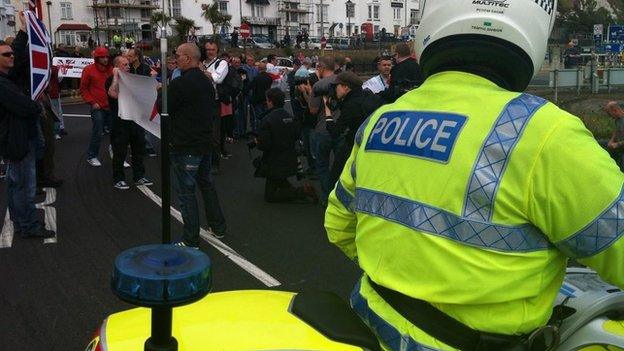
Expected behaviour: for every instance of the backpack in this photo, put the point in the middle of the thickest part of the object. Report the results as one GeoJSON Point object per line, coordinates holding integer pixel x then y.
{"type": "Point", "coordinates": [231, 86]}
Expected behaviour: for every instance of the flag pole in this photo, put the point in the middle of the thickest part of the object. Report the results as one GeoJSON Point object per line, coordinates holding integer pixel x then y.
{"type": "Point", "coordinates": [164, 134]}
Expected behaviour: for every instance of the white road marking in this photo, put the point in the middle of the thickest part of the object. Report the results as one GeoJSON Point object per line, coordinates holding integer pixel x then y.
{"type": "Point", "coordinates": [76, 115]}
{"type": "Point", "coordinates": [6, 237]}
{"type": "Point", "coordinates": [50, 213]}
{"type": "Point", "coordinates": [234, 256]}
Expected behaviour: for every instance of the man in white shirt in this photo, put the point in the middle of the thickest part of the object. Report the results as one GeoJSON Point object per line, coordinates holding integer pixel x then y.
{"type": "Point", "coordinates": [216, 70]}
{"type": "Point", "coordinates": [379, 82]}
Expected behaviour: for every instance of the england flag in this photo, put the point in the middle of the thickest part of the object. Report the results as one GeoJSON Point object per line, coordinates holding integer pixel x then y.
{"type": "Point", "coordinates": [40, 54]}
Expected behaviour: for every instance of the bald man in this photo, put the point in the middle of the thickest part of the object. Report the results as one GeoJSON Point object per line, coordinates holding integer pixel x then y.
{"type": "Point", "coordinates": [192, 108]}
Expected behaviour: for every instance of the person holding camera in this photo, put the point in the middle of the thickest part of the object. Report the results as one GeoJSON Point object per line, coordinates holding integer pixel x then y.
{"type": "Point", "coordinates": [278, 134]}
{"type": "Point", "coordinates": [354, 106]}
{"type": "Point", "coordinates": [406, 74]}
{"type": "Point", "coordinates": [322, 141]}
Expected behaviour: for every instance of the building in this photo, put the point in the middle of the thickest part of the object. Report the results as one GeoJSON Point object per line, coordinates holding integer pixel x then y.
{"type": "Point", "coordinates": [124, 17]}
{"type": "Point", "coordinates": [7, 19]}
{"type": "Point", "coordinates": [275, 18]}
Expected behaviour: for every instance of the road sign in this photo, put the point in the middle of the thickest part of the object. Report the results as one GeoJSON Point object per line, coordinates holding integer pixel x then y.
{"type": "Point", "coordinates": [244, 30]}
{"type": "Point", "coordinates": [616, 33]}
{"type": "Point", "coordinates": [597, 39]}
{"type": "Point", "coordinates": [598, 29]}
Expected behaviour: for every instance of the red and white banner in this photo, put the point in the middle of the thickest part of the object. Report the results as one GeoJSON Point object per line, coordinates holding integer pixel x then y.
{"type": "Point", "coordinates": [71, 67]}
{"type": "Point", "coordinates": [137, 101]}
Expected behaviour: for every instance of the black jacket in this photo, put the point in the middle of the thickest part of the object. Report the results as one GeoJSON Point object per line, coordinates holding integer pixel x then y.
{"type": "Point", "coordinates": [260, 85]}
{"type": "Point", "coordinates": [404, 76]}
{"type": "Point", "coordinates": [277, 135]}
{"type": "Point", "coordinates": [18, 120]}
{"type": "Point", "coordinates": [142, 70]}
{"type": "Point", "coordinates": [192, 107]}
{"type": "Point", "coordinates": [354, 109]}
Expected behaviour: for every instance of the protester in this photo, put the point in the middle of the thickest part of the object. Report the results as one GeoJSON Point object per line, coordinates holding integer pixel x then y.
{"type": "Point", "coordinates": [45, 159]}
{"type": "Point", "coordinates": [55, 100]}
{"type": "Point", "coordinates": [192, 107]}
{"type": "Point", "coordinates": [380, 82]}
{"type": "Point", "coordinates": [138, 66]}
{"type": "Point", "coordinates": [18, 143]}
{"type": "Point", "coordinates": [354, 107]}
{"type": "Point", "coordinates": [406, 74]}
{"type": "Point", "coordinates": [277, 134]}
{"type": "Point", "coordinates": [261, 84]}
{"type": "Point", "coordinates": [323, 143]}
{"type": "Point", "coordinates": [234, 39]}
{"type": "Point", "coordinates": [216, 70]}
{"type": "Point", "coordinates": [271, 64]}
{"type": "Point", "coordinates": [94, 93]}
{"type": "Point", "coordinates": [616, 142]}
{"type": "Point", "coordinates": [125, 133]}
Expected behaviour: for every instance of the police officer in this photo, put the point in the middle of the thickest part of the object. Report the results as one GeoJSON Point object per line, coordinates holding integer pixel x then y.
{"type": "Point", "coordinates": [463, 200]}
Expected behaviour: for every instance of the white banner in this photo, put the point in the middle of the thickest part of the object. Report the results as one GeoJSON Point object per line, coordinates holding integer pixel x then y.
{"type": "Point", "coordinates": [137, 101]}
{"type": "Point", "coordinates": [71, 67]}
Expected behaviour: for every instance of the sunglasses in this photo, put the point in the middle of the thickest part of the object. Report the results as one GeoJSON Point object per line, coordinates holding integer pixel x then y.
{"type": "Point", "coordinates": [7, 54]}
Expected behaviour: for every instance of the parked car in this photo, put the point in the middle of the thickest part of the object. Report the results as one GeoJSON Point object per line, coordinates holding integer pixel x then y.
{"type": "Point", "coordinates": [315, 44]}
{"type": "Point", "coordinates": [340, 43]}
{"type": "Point", "coordinates": [144, 45]}
{"type": "Point", "coordinates": [256, 42]}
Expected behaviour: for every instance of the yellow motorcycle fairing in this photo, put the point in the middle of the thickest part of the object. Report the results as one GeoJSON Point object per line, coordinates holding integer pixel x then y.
{"type": "Point", "coordinates": [234, 320]}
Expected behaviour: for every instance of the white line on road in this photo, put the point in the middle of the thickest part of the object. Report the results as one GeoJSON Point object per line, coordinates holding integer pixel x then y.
{"type": "Point", "coordinates": [234, 256]}
{"type": "Point", "coordinates": [6, 237]}
{"type": "Point", "coordinates": [76, 115]}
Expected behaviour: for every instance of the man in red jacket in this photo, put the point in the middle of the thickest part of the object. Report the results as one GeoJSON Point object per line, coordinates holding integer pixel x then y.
{"type": "Point", "coordinates": [94, 93]}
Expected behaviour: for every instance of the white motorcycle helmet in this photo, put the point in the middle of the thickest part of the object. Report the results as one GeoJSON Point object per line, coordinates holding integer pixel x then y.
{"type": "Point", "coordinates": [503, 40]}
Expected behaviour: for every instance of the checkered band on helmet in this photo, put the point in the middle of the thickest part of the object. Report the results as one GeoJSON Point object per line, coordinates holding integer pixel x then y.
{"type": "Point", "coordinates": [547, 5]}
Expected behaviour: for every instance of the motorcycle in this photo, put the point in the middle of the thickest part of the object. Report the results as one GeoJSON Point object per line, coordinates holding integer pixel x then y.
{"type": "Point", "coordinates": [588, 315]}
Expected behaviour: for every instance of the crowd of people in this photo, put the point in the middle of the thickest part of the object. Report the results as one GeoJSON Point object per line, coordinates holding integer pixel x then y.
{"type": "Point", "coordinates": [215, 99]}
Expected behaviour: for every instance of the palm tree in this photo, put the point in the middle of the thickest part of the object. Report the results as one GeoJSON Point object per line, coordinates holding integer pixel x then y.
{"type": "Point", "coordinates": [212, 14]}
{"type": "Point", "coordinates": [158, 17]}
{"type": "Point", "coordinates": [183, 26]}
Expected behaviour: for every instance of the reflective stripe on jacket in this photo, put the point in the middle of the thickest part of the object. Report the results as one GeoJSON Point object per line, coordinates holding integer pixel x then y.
{"type": "Point", "coordinates": [472, 197]}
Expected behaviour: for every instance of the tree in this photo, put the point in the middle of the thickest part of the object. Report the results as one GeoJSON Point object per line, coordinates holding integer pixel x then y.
{"type": "Point", "coordinates": [212, 14]}
{"type": "Point", "coordinates": [579, 16]}
{"type": "Point", "coordinates": [182, 27]}
{"type": "Point", "coordinates": [157, 18]}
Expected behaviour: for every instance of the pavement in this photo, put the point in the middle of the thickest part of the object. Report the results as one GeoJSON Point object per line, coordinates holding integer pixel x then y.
{"type": "Point", "coordinates": [54, 295]}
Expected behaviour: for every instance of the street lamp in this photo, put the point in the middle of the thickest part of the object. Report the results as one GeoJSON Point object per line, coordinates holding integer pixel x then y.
{"type": "Point", "coordinates": [48, 3]}
{"type": "Point", "coordinates": [349, 8]}
{"type": "Point", "coordinates": [97, 25]}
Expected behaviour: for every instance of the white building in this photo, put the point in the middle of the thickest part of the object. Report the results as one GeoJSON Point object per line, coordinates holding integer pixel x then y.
{"type": "Point", "coordinates": [275, 18]}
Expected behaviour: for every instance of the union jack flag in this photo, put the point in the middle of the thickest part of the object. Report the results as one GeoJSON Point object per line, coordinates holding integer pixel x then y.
{"type": "Point", "coordinates": [39, 53]}
{"type": "Point", "coordinates": [32, 5]}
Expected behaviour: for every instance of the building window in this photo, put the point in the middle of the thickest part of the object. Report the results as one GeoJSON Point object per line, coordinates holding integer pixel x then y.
{"type": "Point", "coordinates": [397, 13]}
{"type": "Point", "coordinates": [373, 12]}
{"type": "Point", "coordinates": [176, 8]}
{"type": "Point", "coordinates": [325, 13]}
{"type": "Point", "coordinates": [257, 10]}
{"type": "Point", "coordinates": [223, 7]}
{"type": "Point", "coordinates": [376, 29]}
{"type": "Point", "coordinates": [413, 16]}
{"type": "Point", "coordinates": [292, 16]}
{"type": "Point", "coordinates": [66, 11]}
{"type": "Point", "coordinates": [67, 37]}
{"type": "Point", "coordinates": [114, 12]}
{"type": "Point", "coordinates": [146, 13]}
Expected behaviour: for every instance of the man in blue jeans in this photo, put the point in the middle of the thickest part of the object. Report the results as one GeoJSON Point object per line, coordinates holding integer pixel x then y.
{"type": "Point", "coordinates": [18, 144]}
{"type": "Point", "coordinates": [192, 107]}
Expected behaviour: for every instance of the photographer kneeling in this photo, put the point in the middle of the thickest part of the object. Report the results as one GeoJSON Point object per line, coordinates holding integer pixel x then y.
{"type": "Point", "coordinates": [277, 136]}
{"type": "Point", "coordinates": [355, 105]}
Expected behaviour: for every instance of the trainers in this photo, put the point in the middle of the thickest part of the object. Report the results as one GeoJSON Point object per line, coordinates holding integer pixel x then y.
{"type": "Point", "coordinates": [41, 233]}
{"type": "Point", "coordinates": [217, 235]}
{"type": "Point", "coordinates": [143, 181]}
{"type": "Point", "coordinates": [183, 244]}
{"type": "Point", "coordinates": [126, 164]}
{"type": "Point", "coordinates": [122, 185]}
{"type": "Point", "coordinates": [57, 137]}
{"type": "Point", "coordinates": [94, 162]}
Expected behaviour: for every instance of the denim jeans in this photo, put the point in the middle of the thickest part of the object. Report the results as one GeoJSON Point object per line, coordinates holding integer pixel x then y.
{"type": "Point", "coordinates": [259, 111]}
{"type": "Point", "coordinates": [98, 120]}
{"type": "Point", "coordinates": [56, 104]}
{"type": "Point", "coordinates": [325, 144]}
{"type": "Point", "coordinates": [191, 171]}
{"type": "Point", "coordinates": [21, 188]}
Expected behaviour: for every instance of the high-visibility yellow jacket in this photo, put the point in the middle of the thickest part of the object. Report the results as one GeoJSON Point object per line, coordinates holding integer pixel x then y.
{"type": "Point", "coordinates": [472, 197]}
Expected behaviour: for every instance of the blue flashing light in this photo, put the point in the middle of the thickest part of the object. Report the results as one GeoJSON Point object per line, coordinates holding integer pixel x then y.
{"type": "Point", "coordinates": [161, 275]}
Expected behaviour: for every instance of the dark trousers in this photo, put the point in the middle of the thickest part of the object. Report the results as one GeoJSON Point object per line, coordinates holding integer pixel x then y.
{"type": "Point", "coordinates": [21, 188]}
{"type": "Point", "coordinates": [45, 165]}
{"type": "Point", "coordinates": [216, 141]}
{"type": "Point", "coordinates": [340, 159]}
{"type": "Point", "coordinates": [127, 133]}
{"type": "Point", "coordinates": [281, 190]}
{"type": "Point", "coordinates": [191, 171]}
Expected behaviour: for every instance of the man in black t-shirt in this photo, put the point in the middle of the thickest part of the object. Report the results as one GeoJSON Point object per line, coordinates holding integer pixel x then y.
{"type": "Point", "coordinates": [125, 133]}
